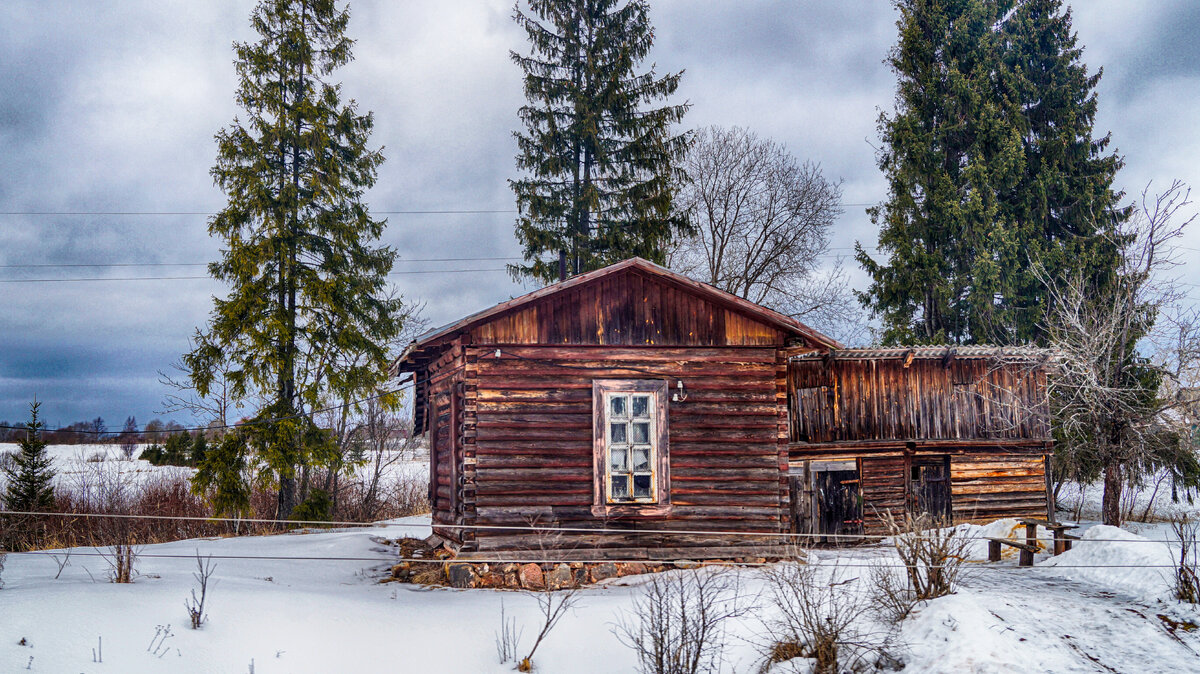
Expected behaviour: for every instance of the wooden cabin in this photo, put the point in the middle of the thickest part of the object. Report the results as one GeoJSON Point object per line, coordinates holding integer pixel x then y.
{"type": "Point", "coordinates": [686, 422]}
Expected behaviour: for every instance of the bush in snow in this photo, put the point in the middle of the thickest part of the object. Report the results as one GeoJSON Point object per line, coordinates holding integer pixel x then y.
{"type": "Point", "coordinates": [553, 605]}
{"type": "Point", "coordinates": [931, 551]}
{"type": "Point", "coordinates": [153, 454]}
{"type": "Point", "coordinates": [508, 638]}
{"type": "Point", "coordinates": [1187, 583]}
{"type": "Point", "coordinates": [892, 595]}
{"type": "Point", "coordinates": [677, 625]}
{"type": "Point", "coordinates": [195, 605]}
{"type": "Point", "coordinates": [818, 621]}
{"type": "Point", "coordinates": [122, 559]}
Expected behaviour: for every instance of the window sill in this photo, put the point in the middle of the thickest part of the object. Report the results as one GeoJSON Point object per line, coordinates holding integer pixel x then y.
{"type": "Point", "coordinates": [617, 510]}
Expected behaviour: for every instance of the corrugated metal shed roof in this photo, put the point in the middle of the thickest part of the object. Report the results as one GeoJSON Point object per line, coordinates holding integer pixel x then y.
{"type": "Point", "coordinates": [930, 352]}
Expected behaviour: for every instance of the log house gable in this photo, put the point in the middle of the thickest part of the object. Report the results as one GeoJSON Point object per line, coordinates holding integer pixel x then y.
{"type": "Point", "coordinates": [631, 303]}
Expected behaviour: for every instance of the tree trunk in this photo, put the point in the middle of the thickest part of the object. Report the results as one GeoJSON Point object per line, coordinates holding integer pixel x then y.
{"type": "Point", "coordinates": [1111, 504]}
{"type": "Point", "coordinates": [287, 498]}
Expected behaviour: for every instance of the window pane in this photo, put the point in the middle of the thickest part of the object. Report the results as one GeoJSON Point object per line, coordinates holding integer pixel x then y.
{"type": "Point", "coordinates": [618, 433]}
{"type": "Point", "coordinates": [641, 406]}
{"type": "Point", "coordinates": [641, 431]}
{"type": "Point", "coordinates": [641, 486]}
{"type": "Point", "coordinates": [641, 458]}
{"type": "Point", "coordinates": [618, 459]}
{"type": "Point", "coordinates": [620, 486]}
{"type": "Point", "coordinates": [618, 406]}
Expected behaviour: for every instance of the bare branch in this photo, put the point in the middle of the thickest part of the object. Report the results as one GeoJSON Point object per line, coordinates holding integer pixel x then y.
{"type": "Point", "coordinates": [762, 224]}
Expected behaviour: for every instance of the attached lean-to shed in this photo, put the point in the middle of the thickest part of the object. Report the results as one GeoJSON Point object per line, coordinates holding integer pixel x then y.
{"type": "Point", "coordinates": [681, 420]}
{"type": "Point", "coordinates": [959, 432]}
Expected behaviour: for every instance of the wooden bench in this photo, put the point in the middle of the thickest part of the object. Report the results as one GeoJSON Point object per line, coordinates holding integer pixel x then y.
{"type": "Point", "coordinates": [1027, 550]}
{"type": "Point", "coordinates": [1062, 540]}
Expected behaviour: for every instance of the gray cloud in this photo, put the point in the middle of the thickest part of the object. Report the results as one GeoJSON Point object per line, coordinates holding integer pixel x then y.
{"type": "Point", "coordinates": [113, 107]}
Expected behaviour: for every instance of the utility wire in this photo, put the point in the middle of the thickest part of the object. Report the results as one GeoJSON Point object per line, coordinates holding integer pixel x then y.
{"type": "Point", "coordinates": [444, 211]}
{"type": "Point", "coordinates": [486, 560]}
{"type": "Point", "coordinates": [464, 211]}
{"type": "Point", "coordinates": [205, 264]}
{"type": "Point", "coordinates": [194, 278]}
{"type": "Point", "coordinates": [544, 530]}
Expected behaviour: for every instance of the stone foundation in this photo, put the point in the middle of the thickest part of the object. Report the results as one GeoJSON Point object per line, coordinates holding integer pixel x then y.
{"type": "Point", "coordinates": [521, 576]}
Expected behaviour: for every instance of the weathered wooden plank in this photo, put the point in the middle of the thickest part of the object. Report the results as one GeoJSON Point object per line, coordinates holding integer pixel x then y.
{"type": "Point", "coordinates": [889, 399]}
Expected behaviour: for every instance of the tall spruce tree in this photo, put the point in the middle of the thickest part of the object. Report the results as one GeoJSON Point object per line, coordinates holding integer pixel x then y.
{"type": "Point", "coordinates": [992, 171]}
{"type": "Point", "coordinates": [1064, 205]}
{"type": "Point", "coordinates": [31, 476]}
{"type": "Point", "coordinates": [307, 280]}
{"type": "Point", "coordinates": [599, 163]}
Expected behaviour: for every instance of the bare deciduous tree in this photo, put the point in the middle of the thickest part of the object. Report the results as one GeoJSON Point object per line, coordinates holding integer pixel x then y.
{"type": "Point", "coordinates": [213, 408]}
{"type": "Point", "coordinates": [1112, 402]}
{"type": "Point", "coordinates": [762, 224]}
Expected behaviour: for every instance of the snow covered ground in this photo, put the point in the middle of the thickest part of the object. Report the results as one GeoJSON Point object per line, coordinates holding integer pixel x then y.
{"type": "Point", "coordinates": [312, 602]}
{"type": "Point", "coordinates": [310, 613]}
{"type": "Point", "coordinates": [86, 468]}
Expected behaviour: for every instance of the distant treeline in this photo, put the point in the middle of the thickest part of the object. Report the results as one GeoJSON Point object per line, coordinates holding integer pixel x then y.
{"type": "Point", "coordinates": [97, 432]}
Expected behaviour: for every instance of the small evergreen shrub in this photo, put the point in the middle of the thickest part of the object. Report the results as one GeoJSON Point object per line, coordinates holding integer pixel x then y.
{"type": "Point", "coordinates": [315, 508]}
{"type": "Point", "coordinates": [154, 454]}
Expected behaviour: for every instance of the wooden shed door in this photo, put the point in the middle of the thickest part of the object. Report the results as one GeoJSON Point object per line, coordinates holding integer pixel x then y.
{"type": "Point", "coordinates": [929, 487]}
{"type": "Point", "coordinates": [836, 501]}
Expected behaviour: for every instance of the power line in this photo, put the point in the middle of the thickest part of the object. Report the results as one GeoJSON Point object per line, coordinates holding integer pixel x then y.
{"type": "Point", "coordinates": [465, 211]}
{"type": "Point", "coordinates": [543, 529]}
{"type": "Point", "coordinates": [107, 265]}
{"type": "Point", "coordinates": [488, 560]}
{"type": "Point", "coordinates": [439, 211]}
{"type": "Point", "coordinates": [40, 265]}
{"type": "Point", "coordinates": [194, 278]}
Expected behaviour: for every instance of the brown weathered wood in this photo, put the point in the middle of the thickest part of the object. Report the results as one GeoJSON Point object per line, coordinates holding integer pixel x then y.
{"type": "Point", "coordinates": [854, 400]}
{"type": "Point", "coordinates": [508, 399]}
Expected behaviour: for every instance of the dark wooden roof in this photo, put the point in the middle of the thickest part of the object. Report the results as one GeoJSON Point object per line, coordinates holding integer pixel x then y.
{"type": "Point", "coordinates": [616, 305]}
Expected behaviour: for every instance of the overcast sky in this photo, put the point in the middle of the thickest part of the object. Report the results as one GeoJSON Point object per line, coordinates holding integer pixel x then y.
{"type": "Point", "coordinates": [111, 108]}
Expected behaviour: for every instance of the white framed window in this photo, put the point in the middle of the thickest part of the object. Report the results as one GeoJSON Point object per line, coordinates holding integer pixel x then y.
{"type": "Point", "coordinates": [630, 444]}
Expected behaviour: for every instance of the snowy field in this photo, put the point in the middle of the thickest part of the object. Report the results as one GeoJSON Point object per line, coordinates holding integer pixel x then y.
{"type": "Point", "coordinates": [270, 615]}
{"type": "Point", "coordinates": [312, 602]}
{"type": "Point", "coordinates": [86, 467]}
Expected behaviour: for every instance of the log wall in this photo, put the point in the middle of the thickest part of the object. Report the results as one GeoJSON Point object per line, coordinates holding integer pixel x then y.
{"type": "Point", "coordinates": [444, 408]}
{"type": "Point", "coordinates": [989, 417]}
{"type": "Point", "coordinates": [529, 446]}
